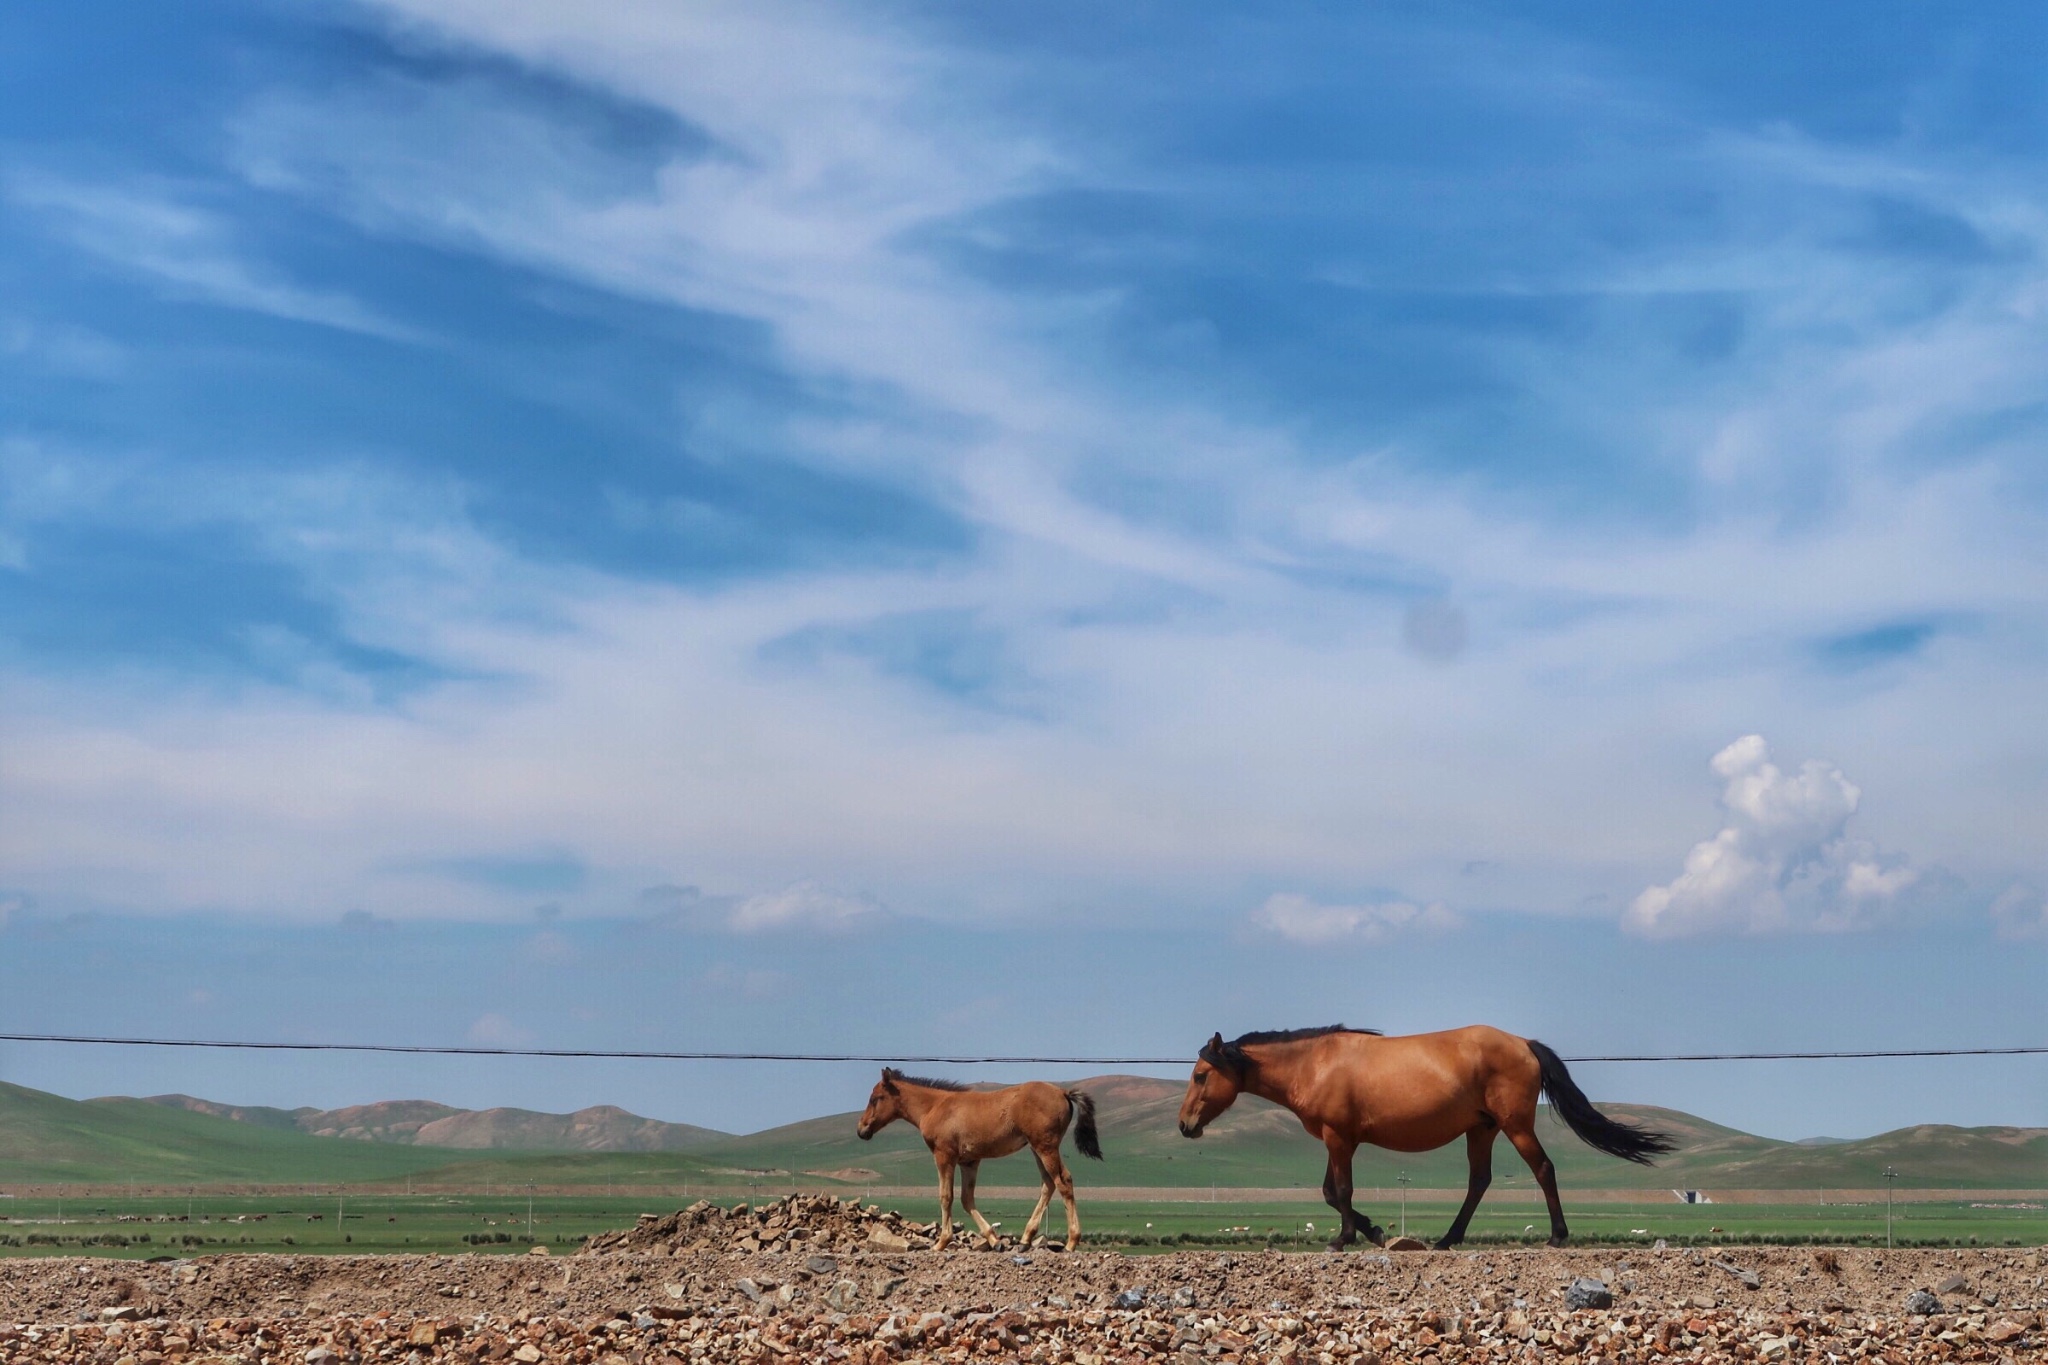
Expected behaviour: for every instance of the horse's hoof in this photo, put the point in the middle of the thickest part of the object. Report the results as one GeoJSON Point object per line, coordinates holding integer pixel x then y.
{"type": "Point", "coordinates": [1337, 1245]}
{"type": "Point", "coordinates": [1377, 1236]}
{"type": "Point", "coordinates": [1557, 1239]}
{"type": "Point", "coordinates": [1443, 1244]}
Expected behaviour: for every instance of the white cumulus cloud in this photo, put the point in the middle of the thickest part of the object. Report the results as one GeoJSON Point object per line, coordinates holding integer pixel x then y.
{"type": "Point", "coordinates": [495, 1030]}
{"type": "Point", "coordinates": [1298, 919]}
{"type": "Point", "coordinates": [1784, 860]}
{"type": "Point", "coordinates": [2020, 911]}
{"type": "Point", "coordinates": [805, 905]}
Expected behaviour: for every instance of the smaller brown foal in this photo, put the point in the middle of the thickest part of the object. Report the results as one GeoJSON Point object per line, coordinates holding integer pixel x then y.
{"type": "Point", "coordinates": [967, 1127]}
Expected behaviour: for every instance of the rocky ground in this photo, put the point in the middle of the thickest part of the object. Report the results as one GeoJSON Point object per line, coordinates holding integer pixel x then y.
{"type": "Point", "coordinates": [813, 1279]}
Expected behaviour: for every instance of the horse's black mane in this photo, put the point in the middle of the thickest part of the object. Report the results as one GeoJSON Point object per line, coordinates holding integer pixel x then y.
{"type": "Point", "coordinates": [928, 1082]}
{"type": "Point", "coordinates": [1231, 1054]}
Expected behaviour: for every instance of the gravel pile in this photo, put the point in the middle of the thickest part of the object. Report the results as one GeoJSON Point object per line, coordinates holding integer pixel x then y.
{"type": "Point", "coordinates": [1093, 1336]}
{"type": "Point", "coordinates": [811, 1278]}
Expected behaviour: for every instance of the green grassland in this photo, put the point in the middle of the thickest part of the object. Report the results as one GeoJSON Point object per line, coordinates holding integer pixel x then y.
{"type": "Point", "coordinates": [129, 1158]}
{"type": "Point", "coordinates": [141, 1227]}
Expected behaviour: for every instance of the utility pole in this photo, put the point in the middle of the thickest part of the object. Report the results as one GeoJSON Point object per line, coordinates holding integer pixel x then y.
{"type": "Point", "coordinates": [1890, 1174]}
{"type": "Point", "coordinates": [1402, 1181]}
{"type": "Point", "coordinates": [529, 1211]}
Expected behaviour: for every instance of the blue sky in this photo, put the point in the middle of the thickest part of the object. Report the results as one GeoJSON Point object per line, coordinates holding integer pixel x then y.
{"type": "Point", "coordinates": [613, 527]}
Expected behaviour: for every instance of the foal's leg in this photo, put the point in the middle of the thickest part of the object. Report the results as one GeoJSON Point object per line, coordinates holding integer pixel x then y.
{"type": "Point", "coordinates": [970, 1171]}
{"type": "Point", "coordinates": [1546, 1176]}
{"type": "Point", "coordinates": [1479, 1155]}
{"type": "Point", "coordinates": [1049, 1162]}
{"type": "Point", "coordinates": [945, 1199]}
{"type": "Point", "coordinates": [1337, 1194]}
{"type": "Point", "coordinates": [1044, 1201]}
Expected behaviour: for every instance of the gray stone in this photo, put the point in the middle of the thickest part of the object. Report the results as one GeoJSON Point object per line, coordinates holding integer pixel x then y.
{"type": "Point", "coordinates": [1952, 1284]}
{"type": "Point", "coordinates": [1020, 1260]}
{"type": "Point", "coordinates": [126, 1312]}
{"type": "Point", "coordinates": [1587, 1292]}
{"type": "Point", "coordinates": [841, 1297]}
{"type": "Point", "coordinates": [1129, 1298]}
{"type": "Point", "coordinates": [321, 1355]}
{"type": "Point", "coordinates": [1184, 1297]}
{"type": "Point", "coordinates": [1750, 1279]}
{"type": "Point", "coordinates": [1920, 1303]}
{"type": "Point", "coordinates": [822, 1265]}
{"type": "Point", "coordinates": [751, 1290]}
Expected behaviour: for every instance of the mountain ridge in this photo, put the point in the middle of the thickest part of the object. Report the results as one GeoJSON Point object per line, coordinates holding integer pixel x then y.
{"type": "Point", "coordinates": [427, 1123]}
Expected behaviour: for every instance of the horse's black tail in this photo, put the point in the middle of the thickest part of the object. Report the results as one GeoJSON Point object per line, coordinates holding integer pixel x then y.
{"type": "Point", "coordinates": [1084, 1124]}
{"type": "Point", "coordinates": [1594, 1128]}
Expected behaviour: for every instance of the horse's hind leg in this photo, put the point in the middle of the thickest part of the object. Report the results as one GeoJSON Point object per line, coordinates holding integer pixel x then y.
{"type": "Point", "coordinates": [970, 1171]}
{"type": "Point", "coordinates": [1337, 1194]}
{"type": "Point", "coordinates": [1057, 1175]}
{"type": "Point", "coordinates": [1479, 1156]}
{"type": "Point", "coordinates": [945, 1200]}
{"type": "Point", "coordinates": [1546, 1176]}
{"type": "Point", "coordinates": [1045, 1188]}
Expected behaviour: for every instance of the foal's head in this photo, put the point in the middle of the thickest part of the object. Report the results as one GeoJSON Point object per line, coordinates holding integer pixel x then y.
{"type": "Point", "coordinates": [1219, 1074]}
{"type": "Point", "coordinates": [885, 1105]}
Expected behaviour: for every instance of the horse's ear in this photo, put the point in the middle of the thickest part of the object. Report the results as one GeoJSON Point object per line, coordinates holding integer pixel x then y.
{"type": "Point", "coordinates": [1212, 1051]}
{"type": "Point", "coordinates": [890, 1075]}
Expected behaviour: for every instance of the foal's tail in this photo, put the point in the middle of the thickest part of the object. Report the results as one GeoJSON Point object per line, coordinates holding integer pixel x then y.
{"type": "Point", "coordinates": [1594, 1128]}
{"type": "Point", "coordinates": [1084, 1124]}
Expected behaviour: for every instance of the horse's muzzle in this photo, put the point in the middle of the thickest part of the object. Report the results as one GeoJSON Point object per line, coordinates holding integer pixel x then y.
{"type": "Point", "coordinates": [1190, 1130]}
{"type": "Point", "coordinates": [863, 1134]}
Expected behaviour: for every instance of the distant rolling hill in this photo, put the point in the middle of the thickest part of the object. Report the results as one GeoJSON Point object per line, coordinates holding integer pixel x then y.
{"type": "Point", "coordinates": [172, 1140]}
{"type": "Point", "coordinates": [423, 1123]}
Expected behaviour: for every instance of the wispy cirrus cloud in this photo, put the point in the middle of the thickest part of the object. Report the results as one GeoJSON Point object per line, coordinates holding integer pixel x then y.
{"type": "Point", "coordinates": [1362, 544]}
{"type": "Point", "coordinates": [1299, 919]}
{"type": "Point", "coordinates": [188, 251]}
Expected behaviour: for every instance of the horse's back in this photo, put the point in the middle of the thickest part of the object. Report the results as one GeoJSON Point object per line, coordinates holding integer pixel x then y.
{"type": "Point", "coordinates": [981, 1124]}
{"type": "Point", "coordinates": [1417, 1091]}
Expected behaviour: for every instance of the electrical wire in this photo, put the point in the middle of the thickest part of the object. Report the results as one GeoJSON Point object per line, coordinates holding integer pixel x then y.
{"type": "Point", "coordinates": [922, 1059]}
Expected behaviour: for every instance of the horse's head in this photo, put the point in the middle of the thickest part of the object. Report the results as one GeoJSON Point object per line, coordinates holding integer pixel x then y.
{"type": "Point", "coordinates": [885, 1105]}
{"type": "Point", "coordinates": [1213, 1088]}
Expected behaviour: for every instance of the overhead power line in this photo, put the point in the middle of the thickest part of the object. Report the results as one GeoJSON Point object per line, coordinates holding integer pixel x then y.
{"type": "Point", "coordinates": [923, 1059]}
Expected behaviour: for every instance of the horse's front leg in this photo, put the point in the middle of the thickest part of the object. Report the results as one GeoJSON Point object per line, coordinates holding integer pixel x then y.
{"type": "Point", "coordinates": [1479, 1160]}
{"type": "Point", "coordinates": [1337, 1194]}
{"type": "Point", "coordinates": [970, 1171]}
{"type": "Point", "coordinates": [946, 1163]}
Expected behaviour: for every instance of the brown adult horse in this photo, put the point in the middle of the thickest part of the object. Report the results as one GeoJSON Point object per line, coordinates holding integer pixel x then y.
{"type": "Point", "coordinates": [1412, 1094]}
{"type": "Point", "coordinates": [967, 1127]}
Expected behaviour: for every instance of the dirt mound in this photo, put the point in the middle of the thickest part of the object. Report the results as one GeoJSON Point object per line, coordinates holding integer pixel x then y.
{"type": "Point", "coordinates": [795, 1222]}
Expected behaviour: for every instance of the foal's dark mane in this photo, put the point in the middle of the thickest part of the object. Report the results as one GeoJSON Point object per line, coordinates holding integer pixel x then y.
{"type": "Point", "coordinates": [892, 1075]}
{"type": "Point", "coordinates": [1231, 1054]}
